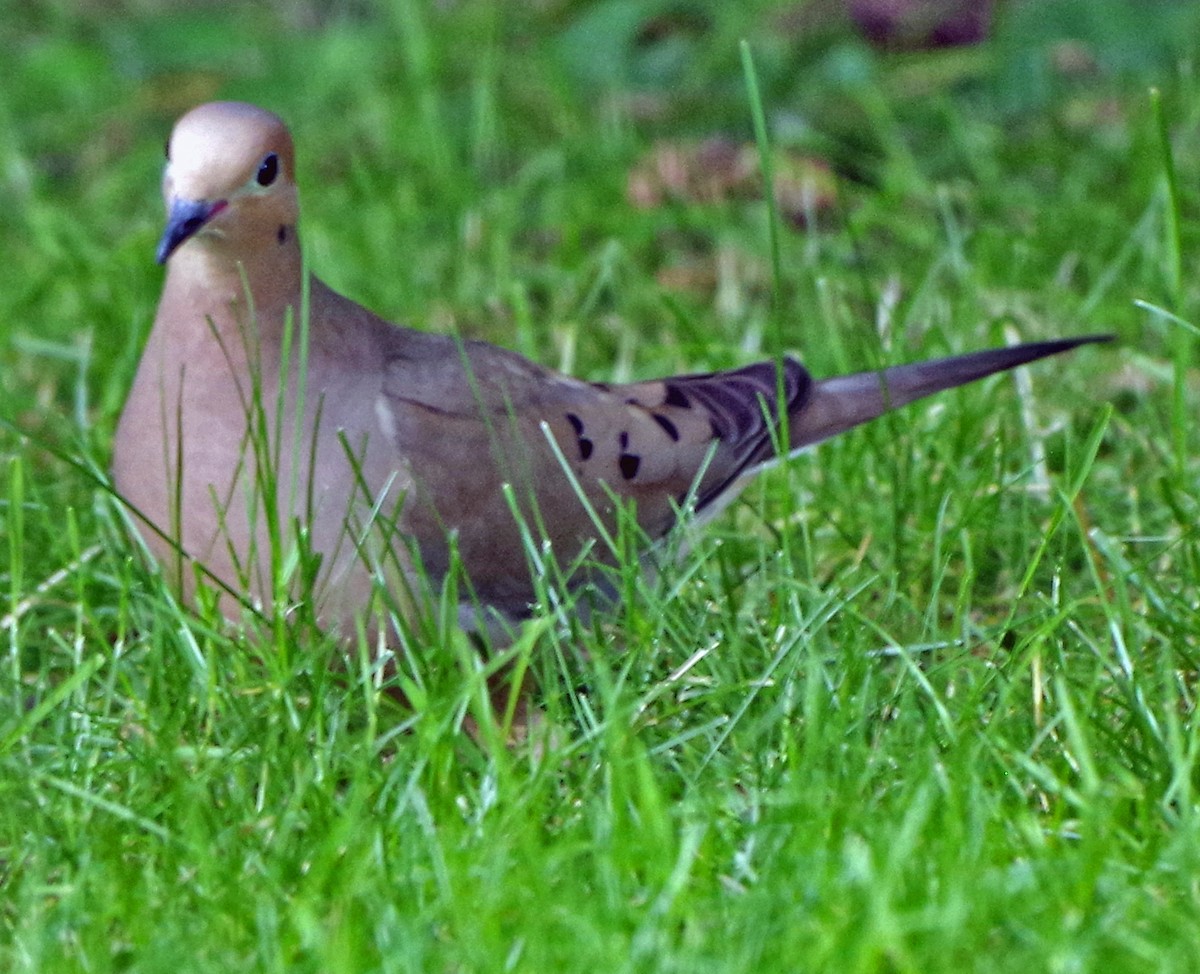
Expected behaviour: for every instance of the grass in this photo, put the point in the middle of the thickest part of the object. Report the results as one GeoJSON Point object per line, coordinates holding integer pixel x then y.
{"type": "Point", "coordinates": [924, 700]}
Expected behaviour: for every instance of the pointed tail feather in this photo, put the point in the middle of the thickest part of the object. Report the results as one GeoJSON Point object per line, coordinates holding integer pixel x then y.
{"type": "Point", "coordinates": [836, 405]}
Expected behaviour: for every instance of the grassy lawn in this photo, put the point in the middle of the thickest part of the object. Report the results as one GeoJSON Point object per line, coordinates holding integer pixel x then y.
{"type": "Point", "coordinates": [924, 700]}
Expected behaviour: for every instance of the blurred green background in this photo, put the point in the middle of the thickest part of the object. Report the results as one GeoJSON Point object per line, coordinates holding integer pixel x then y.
{"type": "Point", "coordinates": [577, 180]}
{"type": "Point", "coordinates": [513, 127]}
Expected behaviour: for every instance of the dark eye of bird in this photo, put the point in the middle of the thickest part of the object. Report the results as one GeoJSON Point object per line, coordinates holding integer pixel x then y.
{"type": "Point", "coordinates": [268, 170]}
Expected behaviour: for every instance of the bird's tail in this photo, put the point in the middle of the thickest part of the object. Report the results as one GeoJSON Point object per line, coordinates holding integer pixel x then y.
{"type": "Point", "coordinates": [836, 405]}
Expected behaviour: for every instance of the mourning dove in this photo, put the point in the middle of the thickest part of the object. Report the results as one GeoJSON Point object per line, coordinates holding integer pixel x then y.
{"type": "Point", "coordinates": [270, 415]}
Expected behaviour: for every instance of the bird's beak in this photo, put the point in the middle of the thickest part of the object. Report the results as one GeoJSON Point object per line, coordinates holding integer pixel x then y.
{"type": "Point", "coordinates": [184, 219]}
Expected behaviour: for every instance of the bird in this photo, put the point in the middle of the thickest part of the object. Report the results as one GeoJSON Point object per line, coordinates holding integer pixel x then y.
{"type": "Point", "coordinates": [280, 443]}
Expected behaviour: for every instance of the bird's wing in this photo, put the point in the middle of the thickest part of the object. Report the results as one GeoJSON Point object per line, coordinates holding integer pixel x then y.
{"type": "Point", "coordinates": [470, 411]}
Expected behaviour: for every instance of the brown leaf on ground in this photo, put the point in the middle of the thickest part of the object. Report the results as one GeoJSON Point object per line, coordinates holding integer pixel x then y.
{"type": "Point", "coordinates": [921, 24]}
{"type": "Point", "coordinates": [718, 170]}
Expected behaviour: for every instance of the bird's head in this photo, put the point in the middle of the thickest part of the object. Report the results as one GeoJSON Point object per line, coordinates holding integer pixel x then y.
{"type": "Point", "coordinates": [229, 181]}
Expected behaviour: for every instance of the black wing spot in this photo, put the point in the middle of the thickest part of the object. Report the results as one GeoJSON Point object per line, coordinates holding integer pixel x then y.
{"type": "Point", "coordinates": [629, 463]}
{"type": "Point", "coordinates": [585, 445]}
{"type": "Point", "coordinates": [676, 397]}
{"type": "Point", "coordinates": [668, 427]}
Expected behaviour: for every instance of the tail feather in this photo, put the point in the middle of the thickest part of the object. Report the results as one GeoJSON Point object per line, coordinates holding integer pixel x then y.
{"type": "Point", "coordinates": [841, 403]}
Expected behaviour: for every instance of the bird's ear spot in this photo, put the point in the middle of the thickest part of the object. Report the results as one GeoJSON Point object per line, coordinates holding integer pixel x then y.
{"type": "Point", "coordinates": [282, 234]}
{"type": "Point", "coordinates": [268, 170]}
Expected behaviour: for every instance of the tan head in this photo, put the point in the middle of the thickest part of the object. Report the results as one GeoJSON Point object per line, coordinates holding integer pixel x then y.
{"type": "Point", "coordinates": [229, 182]}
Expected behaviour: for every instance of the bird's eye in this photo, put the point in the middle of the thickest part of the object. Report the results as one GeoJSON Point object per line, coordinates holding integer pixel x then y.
{"type": "Point", "coordinates": [268, 169]}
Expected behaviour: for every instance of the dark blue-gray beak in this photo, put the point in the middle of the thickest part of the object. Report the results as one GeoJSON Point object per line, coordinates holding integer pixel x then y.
{"type": "Point", "coordinates": [184, 219]}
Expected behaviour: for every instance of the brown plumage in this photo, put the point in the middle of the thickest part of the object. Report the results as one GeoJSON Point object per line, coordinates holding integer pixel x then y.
{"type": "Point", "coordinates": [267, 405]}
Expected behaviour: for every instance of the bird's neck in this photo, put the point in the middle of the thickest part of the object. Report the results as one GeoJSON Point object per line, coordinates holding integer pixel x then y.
{"type": "Point", "coordinates": [225, 289]}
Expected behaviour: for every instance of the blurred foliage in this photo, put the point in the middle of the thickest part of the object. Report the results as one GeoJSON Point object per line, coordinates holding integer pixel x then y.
{"type": "Point", "coordinates": [464, 116]}
{"type": "Point", "coordinates": [466, 164]}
